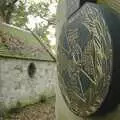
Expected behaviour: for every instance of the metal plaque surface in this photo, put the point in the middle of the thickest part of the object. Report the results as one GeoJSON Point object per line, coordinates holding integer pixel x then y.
{"type": "Point", "coordinates": [72, 6]}
{"type": "Point", "coordinates": [84, 60]}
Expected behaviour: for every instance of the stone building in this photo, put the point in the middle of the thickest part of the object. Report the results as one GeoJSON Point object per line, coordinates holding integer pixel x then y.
{"type": "Point", "coordinates": [27, 71]}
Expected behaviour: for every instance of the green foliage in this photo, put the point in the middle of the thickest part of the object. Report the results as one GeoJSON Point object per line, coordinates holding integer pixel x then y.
{"type": "Point", "coordinates": [19, 16]}
{"type": "Point", "coordinates": [13, 12]}
{"type": "Point", "coordinates": [6, 9]}
{"type": "Point", "coordinates": [39, 9]}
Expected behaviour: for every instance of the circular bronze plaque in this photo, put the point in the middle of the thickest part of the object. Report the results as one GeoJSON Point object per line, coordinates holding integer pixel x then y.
{"type": "Point", "coordinates": [84, 60]}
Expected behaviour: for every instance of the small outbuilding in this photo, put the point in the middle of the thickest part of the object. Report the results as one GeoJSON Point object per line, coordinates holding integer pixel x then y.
{"type": "Point", "coordinates": [27, 71]}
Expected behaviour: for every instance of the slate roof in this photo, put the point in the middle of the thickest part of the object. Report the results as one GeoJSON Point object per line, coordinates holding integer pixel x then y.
{"type": "Point", "coordinates": [18, 43]}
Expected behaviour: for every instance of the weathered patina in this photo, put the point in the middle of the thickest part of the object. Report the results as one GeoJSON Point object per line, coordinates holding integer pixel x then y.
{"type": "Point", "coordinates": [87, 61]}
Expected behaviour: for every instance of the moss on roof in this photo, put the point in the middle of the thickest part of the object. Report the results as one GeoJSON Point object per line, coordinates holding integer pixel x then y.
{"type": "Point", "coordinates": [18, 43]}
